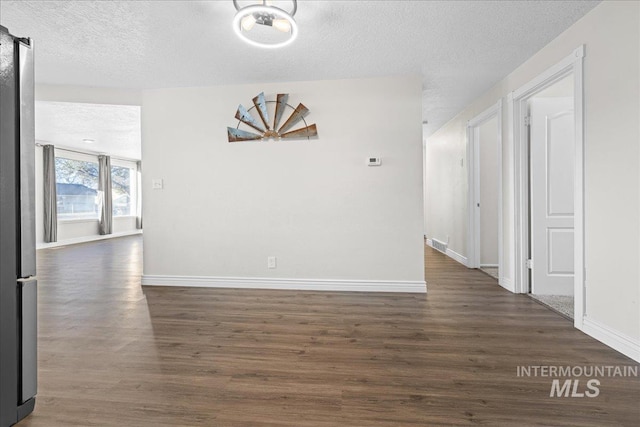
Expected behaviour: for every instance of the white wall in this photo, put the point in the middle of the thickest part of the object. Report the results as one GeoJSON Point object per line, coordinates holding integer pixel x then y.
{"type": "Point", "coordinates": [39, 184]}
{"type": "Point", "coordinates": [610, 33]}
{"type": "Point", "coordinates": [79, 230]}
{"type": "Point", "coordinates": [445, 183]}
{"type": "Point", "coordinates": [489, 181]}
{"type": "Point", "coordinates": [315, 205]}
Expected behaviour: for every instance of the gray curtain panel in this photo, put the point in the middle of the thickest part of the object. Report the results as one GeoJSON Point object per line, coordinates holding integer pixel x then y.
{"type": "Point", "coordinates": [104, 190]}
{"type": "Point", "coordinates": [50, 194]}
{"type": "Point", "coordinates": [139, 196]}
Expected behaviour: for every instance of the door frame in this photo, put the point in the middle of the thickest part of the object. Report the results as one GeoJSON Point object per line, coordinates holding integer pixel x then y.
{"type": "Point", "coordinates": [517, 111]}
{"type": "Point", "coordinates": [473, 192]}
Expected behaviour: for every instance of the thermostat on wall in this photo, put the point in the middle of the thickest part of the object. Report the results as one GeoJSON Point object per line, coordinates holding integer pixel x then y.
{"type": "Point", "coordinates": [373, 161]}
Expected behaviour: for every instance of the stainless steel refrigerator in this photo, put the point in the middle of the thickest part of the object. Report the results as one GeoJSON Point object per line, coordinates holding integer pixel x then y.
{"type": "Point", "coordinates": [18, 287]}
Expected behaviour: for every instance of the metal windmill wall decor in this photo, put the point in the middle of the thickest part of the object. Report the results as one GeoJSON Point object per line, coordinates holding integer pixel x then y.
{"type": "Point", "coordinates": [265, 127]}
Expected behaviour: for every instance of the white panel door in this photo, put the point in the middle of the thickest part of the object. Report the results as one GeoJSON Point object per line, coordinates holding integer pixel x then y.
{"type": "Point", "coordinates": [552, 170]}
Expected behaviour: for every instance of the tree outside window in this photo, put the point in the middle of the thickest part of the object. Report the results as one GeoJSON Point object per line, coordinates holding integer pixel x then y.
{"type": "Point", "coordinates": [121, 191]}
{"type": "Point", "coordinates": [77, 188]}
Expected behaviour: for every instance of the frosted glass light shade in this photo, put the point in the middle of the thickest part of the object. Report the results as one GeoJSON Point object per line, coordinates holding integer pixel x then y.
{"type": "Point", "coordinates": [278, 19]}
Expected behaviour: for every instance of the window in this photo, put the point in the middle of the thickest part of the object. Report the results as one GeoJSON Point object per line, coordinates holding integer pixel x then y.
{"type": "Point", "coordinates": [77, 188]}
{"type": "Point", "coordinates": [123, 190]}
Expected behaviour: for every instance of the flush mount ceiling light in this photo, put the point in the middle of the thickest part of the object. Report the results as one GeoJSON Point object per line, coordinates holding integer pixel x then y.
{"type": "Point", "coordinates": [264, 25]}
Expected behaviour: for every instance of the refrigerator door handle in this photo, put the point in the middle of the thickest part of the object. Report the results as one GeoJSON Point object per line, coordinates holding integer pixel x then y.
{"type": "Point", "coordinates": [27, 158]}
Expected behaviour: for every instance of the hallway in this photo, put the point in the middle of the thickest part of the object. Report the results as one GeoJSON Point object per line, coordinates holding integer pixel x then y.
{"type": "Point", "coordinates": [112, 353]}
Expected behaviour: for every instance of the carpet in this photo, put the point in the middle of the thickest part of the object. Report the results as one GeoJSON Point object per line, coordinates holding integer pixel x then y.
{"type": "Point", "coordinates": [559, 303]}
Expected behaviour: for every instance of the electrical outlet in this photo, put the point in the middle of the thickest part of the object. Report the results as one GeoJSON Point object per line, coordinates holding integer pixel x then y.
{"type": "Point", "coordinates": [271, 262]}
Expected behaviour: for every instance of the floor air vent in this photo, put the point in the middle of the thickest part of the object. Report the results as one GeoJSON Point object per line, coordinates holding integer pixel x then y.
{"type": "Point", "coordinates": [441, 246]}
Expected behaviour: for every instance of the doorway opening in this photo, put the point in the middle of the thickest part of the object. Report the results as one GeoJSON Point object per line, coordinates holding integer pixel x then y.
{"type": "Point", "coordinates": [547, 125]}
{"type": "Point", "coordinates": [551, 126]}
{"type": "Point", "coordinates": [484, 145]}
{"type": "Point", "coordinates": [77, 141]}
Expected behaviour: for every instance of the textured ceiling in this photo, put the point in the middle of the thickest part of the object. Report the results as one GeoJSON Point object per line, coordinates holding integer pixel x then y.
{"type": "Point", "coordinates": [115, 129]}
{"type": "Point", "coordinates": [460, 48]}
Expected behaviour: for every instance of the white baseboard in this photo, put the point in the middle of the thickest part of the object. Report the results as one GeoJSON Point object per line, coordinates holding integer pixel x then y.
{"type": "Point", "coordinates": [626, 345]}
{"type": "Point", "coordinates": [457, 257]}
{"type": "Point", "coordinates": [507, 284]}
{"type": "Point", "coordinates": [290, 284]}
{"type": "Point", "coordinates": [489, 265]}
{"type": "Point", "coordinates": [85, 239]}
{"type": "Point", "coordinates": [451, 254]}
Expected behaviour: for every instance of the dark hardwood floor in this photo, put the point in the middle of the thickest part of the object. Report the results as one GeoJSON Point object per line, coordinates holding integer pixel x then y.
{"type": "Point", "coordinates": [115, 354]}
